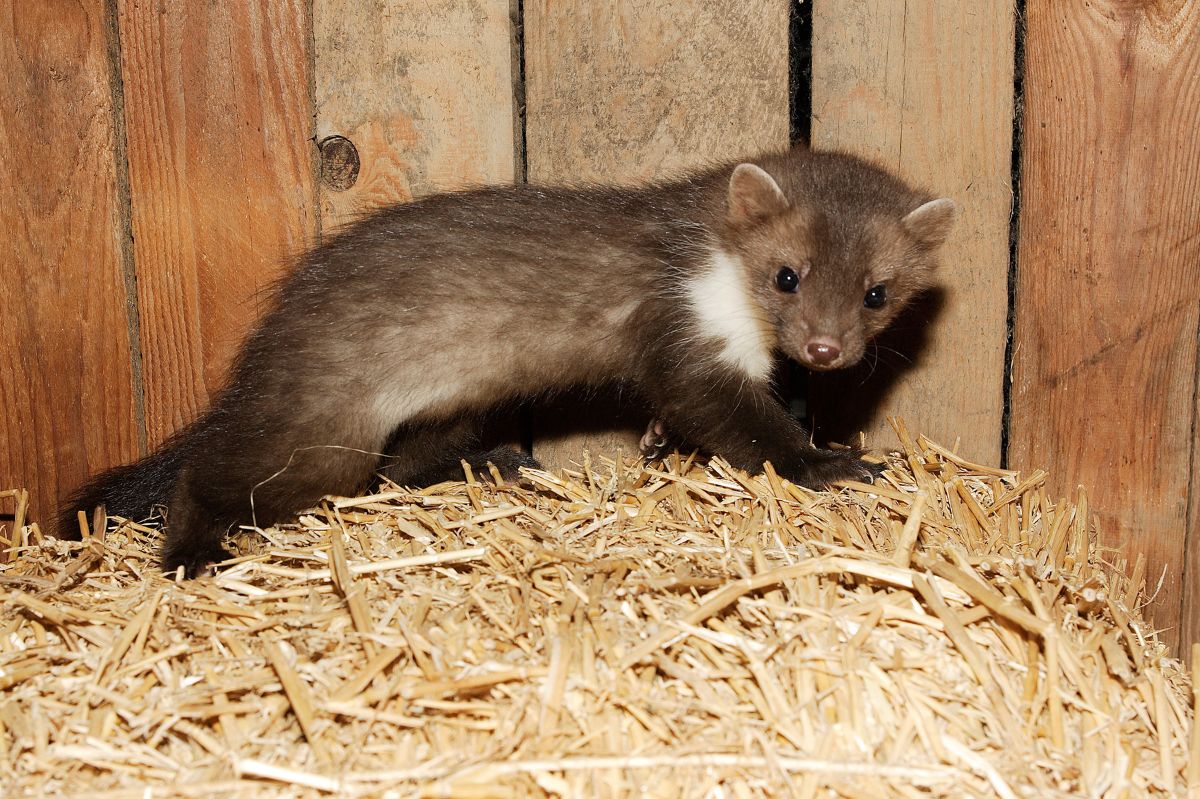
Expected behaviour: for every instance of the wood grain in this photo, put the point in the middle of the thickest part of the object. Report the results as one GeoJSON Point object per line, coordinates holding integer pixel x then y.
{"type": "Point", "coordinates": [927, 89]}
{"type": "Point", "coordinates": [1108, 289]}
{"type": "Point", "coordinates": [638, 89]}
{"type": "Point", "coordinates": [424, 91]}
{"type": "Point", "coordinates": [66, 377]}
{"type": "Point", "coordinates": [221, 168]}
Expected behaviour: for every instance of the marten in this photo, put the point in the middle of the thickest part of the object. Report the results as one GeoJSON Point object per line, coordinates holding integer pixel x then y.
{"type": "Point", "coordinates": [388, 342]}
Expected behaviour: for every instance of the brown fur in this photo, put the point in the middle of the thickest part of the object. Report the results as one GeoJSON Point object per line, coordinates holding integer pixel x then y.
{"type": "Point", "coordinates": [396, 334]}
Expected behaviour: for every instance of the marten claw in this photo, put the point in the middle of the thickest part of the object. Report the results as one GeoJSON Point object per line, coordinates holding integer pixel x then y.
{"type": "Point", "coordinates": [653, 440]}
{"type": "Point", "coordinates": [860, 470]}
{"type": "Point", "coordinates": [872, 471]}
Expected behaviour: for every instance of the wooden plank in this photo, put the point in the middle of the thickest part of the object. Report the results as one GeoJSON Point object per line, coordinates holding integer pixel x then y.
{"type": "Point", "coordinates": [638, 89]}
{"type": "Point", "coordinates": [927, 89]}
{"type": "Point", "coordinates": [221, 167]}
{"type": "Point", "coordinates": [1104, 366]}
{"type": "Point", "coordinates": [424, 93]}
{"type": "Point", "coordinates": [66, 376]}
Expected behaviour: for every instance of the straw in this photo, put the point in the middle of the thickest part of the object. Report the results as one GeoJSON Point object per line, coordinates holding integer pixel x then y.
{"type": "Point", "coordinates": [675, 628]}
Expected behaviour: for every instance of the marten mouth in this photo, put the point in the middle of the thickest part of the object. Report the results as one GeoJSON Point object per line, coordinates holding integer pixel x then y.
{"type": "Point", "coordinates": [820, 367]}
{"type": "Point", "coordinates": [803, 360]}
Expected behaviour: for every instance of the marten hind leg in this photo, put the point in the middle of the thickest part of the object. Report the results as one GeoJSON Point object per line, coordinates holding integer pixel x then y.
{"type": "Point", "coordinates": [508, 462]}
{"type": "Point", "coordinates": [221, 489]}
{"type": "Point", "coordinates": [193, 531]}
{"type": "Point", "coordinates": [429, 453]}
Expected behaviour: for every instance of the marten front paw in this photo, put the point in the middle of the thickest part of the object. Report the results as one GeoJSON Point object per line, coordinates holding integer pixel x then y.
{"type": "Point", "coordinates": [871, 471]}
{"type": "Point", "coordinates": [820, 468]}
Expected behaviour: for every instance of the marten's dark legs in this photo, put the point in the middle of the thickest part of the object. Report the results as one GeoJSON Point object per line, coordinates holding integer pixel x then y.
{"type": "Point", "coordinates": [194, 531]}
{"type": "Point", "coordinates": [744, 423]}
{"type": "Point", "coordinates": [420, 455]}
{"type": "Point", "coordinates": [264, 482]}
{"type": "Point", "coordinates": [216, 492]}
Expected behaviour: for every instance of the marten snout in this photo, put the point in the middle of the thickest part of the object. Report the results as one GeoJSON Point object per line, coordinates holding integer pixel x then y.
{"type": "Point", "coordinates": [822, 351]}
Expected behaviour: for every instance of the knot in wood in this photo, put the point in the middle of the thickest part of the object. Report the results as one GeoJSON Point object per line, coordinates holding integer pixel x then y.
{"type": "Point", "coordinates": [339, 162]}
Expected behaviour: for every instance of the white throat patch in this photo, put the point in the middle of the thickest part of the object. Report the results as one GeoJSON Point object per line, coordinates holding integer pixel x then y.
{"type": "Point", "coordinates": [725, 311]}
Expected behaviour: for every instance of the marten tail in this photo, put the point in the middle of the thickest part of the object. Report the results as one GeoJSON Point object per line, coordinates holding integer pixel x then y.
{"type": "Point", "coordinates": [131, 491]}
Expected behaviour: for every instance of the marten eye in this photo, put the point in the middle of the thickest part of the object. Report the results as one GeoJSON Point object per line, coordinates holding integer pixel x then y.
{"type": "Point", "coordinates": [787, 280]}
{"type": "Point", "coordinates": [876, 296]}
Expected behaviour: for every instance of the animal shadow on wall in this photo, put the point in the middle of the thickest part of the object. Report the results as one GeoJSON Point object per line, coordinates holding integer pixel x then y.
{"type": "Point", "coordinates": [843, 403]}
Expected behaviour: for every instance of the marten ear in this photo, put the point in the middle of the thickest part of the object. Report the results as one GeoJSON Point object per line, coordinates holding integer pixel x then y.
{"type": "Point", "coordinates": [932, 222]}
{"type": "Point", "coordinates": [753, 195]}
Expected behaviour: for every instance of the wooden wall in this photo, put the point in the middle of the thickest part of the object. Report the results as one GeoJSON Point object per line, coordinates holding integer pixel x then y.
{"type": "Point", "coordinates": [69, 385]}
{"type": "Point", "coordinates": [1108, 277]}
{"type": "Point", "coordinates": [217, 117]}
{"type": "Point", "coordinates": [163, 160]}
{"type": "Point", "coordinates": [424, 92]}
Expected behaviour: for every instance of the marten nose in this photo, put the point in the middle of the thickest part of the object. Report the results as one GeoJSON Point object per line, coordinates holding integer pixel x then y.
{"type": "Point", "coordinates": [823, 351]}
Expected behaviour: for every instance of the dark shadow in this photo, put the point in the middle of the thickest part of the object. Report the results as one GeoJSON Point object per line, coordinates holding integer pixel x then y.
{"type": "Point", "coordinates": [504, 427]}
{"type": "Point", "coordinates": [610, 410]}
{"type": "Point", "coordinates": [800, 23]}
{"type": "Point", "coordinates": [842, 403]}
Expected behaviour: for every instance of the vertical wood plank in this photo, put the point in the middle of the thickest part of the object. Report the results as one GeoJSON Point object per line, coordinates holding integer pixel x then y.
{"type": "Point", "coordinates": [221, 167]}
{"type": "Point", "coordinates": [637, 89]}
{"type": "Point", "coordinates": [927, 89]}
{"type": "Point", "coordinates": [1104, 366]}
{"type": "Point", "coordinates": [66, 377]}
{"type": "Point", "coordinates": [424, 92]}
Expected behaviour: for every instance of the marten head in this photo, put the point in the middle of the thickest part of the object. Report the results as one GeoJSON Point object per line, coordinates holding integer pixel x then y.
{"type": "Point", "coordinates": [831, 248]}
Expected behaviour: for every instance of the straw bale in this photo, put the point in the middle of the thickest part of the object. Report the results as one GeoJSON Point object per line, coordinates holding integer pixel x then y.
{"type": "Point", "coordinates": [671, 628]}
